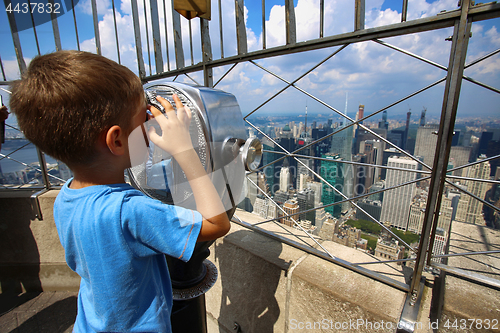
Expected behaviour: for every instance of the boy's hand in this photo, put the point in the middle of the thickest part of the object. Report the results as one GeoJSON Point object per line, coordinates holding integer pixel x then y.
{"type": "Point", "coordinates": [4, 114]}
{"type": "Point", "coordinates": [175, 139]}
{"type": "Point", "coordinates": [175, 136]}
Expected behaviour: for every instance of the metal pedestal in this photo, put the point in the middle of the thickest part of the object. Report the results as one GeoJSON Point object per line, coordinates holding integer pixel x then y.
{"type": "Point", "coordinates": [190, 281]}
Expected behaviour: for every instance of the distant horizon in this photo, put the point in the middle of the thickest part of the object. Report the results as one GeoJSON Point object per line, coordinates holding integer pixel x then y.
{"type": "Point", "coordinates": [395, 116]}
{"type": "Point", "coordinates": [366, 73]}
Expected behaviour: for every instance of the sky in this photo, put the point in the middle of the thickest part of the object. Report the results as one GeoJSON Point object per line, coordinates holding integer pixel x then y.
{"type": "Point", "coordinates": [363, 73]}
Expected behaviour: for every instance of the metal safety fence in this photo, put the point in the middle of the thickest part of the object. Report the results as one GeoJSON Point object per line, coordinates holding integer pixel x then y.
{"type": "Point", "coordinates": [160, 54]}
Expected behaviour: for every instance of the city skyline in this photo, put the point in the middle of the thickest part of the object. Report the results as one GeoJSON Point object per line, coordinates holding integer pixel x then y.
{"type": "Point", "coordinates": [365, 73]}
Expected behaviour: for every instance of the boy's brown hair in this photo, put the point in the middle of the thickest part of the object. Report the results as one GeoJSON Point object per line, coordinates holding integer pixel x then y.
{"type": "Point", "coordinates": [66, 99]}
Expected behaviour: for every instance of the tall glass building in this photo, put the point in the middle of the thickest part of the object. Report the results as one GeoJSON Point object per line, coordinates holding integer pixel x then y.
{"type": "Point", "coordinates": [333, 172]}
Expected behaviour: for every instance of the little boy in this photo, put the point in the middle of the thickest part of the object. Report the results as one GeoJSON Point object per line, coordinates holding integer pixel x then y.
{"type": "Point", "coordinates": [80, 108]}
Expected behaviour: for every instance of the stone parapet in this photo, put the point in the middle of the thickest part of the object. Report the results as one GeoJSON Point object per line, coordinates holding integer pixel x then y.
{"type": "Point", "coordinates": [268, 286]}
{"type": "Point", "coordinates": [265, 285]}
{"type": "Point", "coordinates": [31, 256]}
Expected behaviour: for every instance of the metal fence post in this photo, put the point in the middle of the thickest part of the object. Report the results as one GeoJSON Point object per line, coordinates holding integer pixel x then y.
{"type": "Point", "coordinates": [241, 33]}
{"type": "Point", "coordinates": [448, 115]}
{"type": "Point", "coordinates": [206, 49]}
{"type": "Point", "coordinates": [96, 27]}
{"type": "Point", "coordinates": [359, 15]}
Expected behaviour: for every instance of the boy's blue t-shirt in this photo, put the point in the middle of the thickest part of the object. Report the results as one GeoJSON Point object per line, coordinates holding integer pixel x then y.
{"type": "Point", "coordinates": [114, 237]}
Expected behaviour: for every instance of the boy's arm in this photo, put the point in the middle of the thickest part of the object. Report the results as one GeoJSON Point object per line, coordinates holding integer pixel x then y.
{"type": "Point", "coordinates": [175, 139]}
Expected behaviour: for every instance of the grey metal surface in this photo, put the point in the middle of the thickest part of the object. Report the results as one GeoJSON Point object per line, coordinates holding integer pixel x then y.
{"type": "Point", "coordinates": [464, 254]}
{"type": "Point", "coordinates": [138, 41]}
{"type": "Point", "coordinates": [55, 28]}
{"type": "Point", "coordinates": [76, 26]}
{"type": "Point", "coordinates": [321, 18]}
{"type": "Point", "coordinates": [448, 116]}
{"type": "Point", "coordinates": [96, 27]}
{"type": "Point", "coordinates": [206, 49]}
{"type": "Point", "coordinates": [179, 51]}
{"type": "Point", "coordinates": [155, 24]}
{"type": "Point", "coordinates": [116, 31]}
{"type": "Point", "coordinates": [263, 24]}
{"type": "Point", "coordinates": [404, 12]}
{"type": "Point", "coordinates": [290, 25]}
{"type": "Point", "coordinates": [468, 275]}
{"type": "Point", "coordinates": [409, 315]}
{"type": "Point", "coordinates": [241, 32]}
{"type": "Point", "coordinates": [147, 37]}
{"type": "Point", "coordinates": [3, 71]}
{"type": "Point", "coordinates": [359, 15]}
{"type": "Point", "coordinates": [17, 43]}
{"type": "Point", "coordinates": [221, 31]}
{"type": "Point", "coordinates": [34, 30]}
{"type": "Point", "coordinates": [216, 118]}
{"type": "Point", "coordinates": [166, 34]}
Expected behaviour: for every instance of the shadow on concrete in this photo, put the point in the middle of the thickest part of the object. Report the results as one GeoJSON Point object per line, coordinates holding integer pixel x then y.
{"type": "Point", "coordinates": [19, 256]}
{"type": "Point", "coordinates": [249, 283]}
{"type": "Point", "coordinates": [9, 300]}
{"type": "Point", "coordinates": [57, 318]}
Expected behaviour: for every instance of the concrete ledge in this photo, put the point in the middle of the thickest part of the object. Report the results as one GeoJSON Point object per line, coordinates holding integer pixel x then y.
{"type": "Point", "coordinates": [31, 256]}
{"type": "Point", "coordinates": [252, 286]}
{"type": "Point", "coordinates": [467, 306]}
{"type": "Point", "coordinates": [333, 295]}
{"type": "Point", "coordinates": [267, 286]}
{"type": "Point", "coordinates": [464, 302]}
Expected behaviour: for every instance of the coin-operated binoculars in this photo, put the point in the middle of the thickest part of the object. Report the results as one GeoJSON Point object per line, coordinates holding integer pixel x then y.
{"type": "Point", "coordinates": [220, 140]}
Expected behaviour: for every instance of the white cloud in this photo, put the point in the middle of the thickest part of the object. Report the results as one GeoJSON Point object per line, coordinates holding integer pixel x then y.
{"type": "Point", "coordinates": [367, 70]}
{"type": "Point", "coordinates": [11, 68]}
{"type": "Point", "coordinates": [275, 27]}
{"type": "Point", "coordinates": [269, 80]}
{"type": "Point", "coordinates": [481, 44]}
{"type": "Point", "coordinates": [494, 36]}
{"type": "Point", "coordinates": [377, 18]}
{"type": "Point", "coordinates": [102, 6]}
{"type": "Point", "coordinates": [88, 45]}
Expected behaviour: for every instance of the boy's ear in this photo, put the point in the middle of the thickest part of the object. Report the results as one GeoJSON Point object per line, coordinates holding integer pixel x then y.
{"type": "Point", "coordinates": [116, 140]}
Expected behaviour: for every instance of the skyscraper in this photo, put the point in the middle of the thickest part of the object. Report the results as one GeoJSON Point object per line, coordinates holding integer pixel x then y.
{"type": "Point", "coordinates": [285, 179]}
{"type": "Point", "coordinates": [459, 156]}
{"type": "Point", "coordinates": [422, 117]}
{"type": "Point", "coordinates": [267, 159]}
{"type": "Point", "coordinates": [469, 209]}
{"type": "Point", "coordinates": [304, 165]}
{"type": "Point", "coordinates": [305, 199]}
{"type": "Point", "coordinates": [290, 207]}
{"type": "Point", "coordinates": [396, 203]}
{"type": "Point", "coordinates": [359, 115]}
{"type": "Point", "coordinates": [303, 172]}
{"type": "Point", "coordinates": [342, 145]}
{"type": "Point", "coordinates": [332, 172]}
{"type": "Point", "coordinates": [262, 183]}
{"type": "Point", "coordinates": [374, 149]}
{"type": "Point", "coordinates": [407, 127]}
{"type": "Point", "coordinates": [426, 142]}
{"type": "Point", "coordinates": [383, 124]}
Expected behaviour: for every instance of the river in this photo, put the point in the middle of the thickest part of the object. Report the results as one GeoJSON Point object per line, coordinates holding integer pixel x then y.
{"type": "Point", "coordinates": [26, 155]}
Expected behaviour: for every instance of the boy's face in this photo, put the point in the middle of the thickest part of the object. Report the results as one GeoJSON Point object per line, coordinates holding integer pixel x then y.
{"type": "Point", "coordinates": [138, 141]}
{"type": "Point", "coordinates": [140, 116]}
